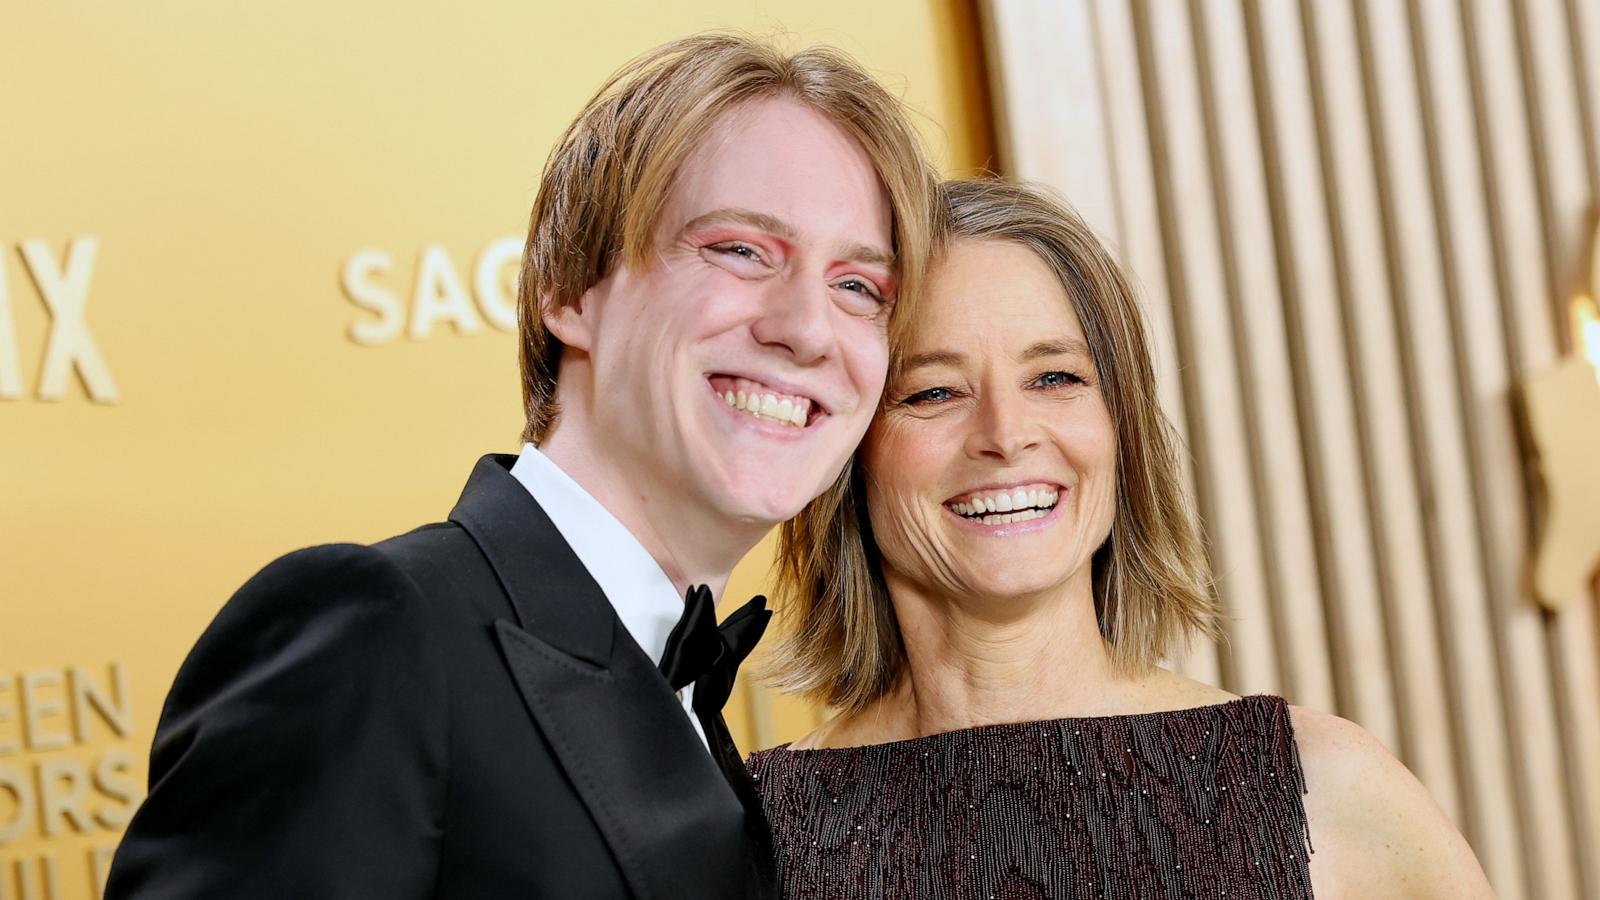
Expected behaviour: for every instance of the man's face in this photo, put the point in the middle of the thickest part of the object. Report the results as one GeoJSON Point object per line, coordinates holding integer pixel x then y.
{"type": "Point", "coordinates": [737, 371]}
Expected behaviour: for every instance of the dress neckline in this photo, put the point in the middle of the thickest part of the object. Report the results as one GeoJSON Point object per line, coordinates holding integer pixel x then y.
{"type": "Point", "coordinates": [1002, 728]}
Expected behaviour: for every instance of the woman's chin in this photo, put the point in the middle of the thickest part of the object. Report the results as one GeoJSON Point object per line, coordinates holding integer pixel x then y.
{"type": "Point", "coordinates": [1013, 587]}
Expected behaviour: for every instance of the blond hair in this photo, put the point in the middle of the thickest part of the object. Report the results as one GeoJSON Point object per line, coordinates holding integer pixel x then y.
{"type": "Point", "coordinates": [612, 171]}
{"type": "Point", "coordinates": [1152, 586]}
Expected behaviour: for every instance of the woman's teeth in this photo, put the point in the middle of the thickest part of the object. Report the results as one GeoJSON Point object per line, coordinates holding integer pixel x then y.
{"type": "Point", "coordinates": [791, 411]}
{"type": "Point", "coordinates": [1006, 507]}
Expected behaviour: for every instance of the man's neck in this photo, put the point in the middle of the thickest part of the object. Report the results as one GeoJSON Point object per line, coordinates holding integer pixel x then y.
{"type": "Point", "coordinates": [692, 544]}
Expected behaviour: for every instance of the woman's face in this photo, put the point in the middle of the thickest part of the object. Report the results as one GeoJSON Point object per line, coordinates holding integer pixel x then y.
{"type": "Point", "coordinates": [992, 471]}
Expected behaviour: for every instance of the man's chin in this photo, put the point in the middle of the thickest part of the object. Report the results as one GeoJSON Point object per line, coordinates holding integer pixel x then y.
{"type": "Point", "coordinates": [764, 509]}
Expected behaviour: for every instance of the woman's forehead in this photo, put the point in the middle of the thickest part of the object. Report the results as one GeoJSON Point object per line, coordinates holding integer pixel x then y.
{"type": "Point", "coordinates": [990, 294]}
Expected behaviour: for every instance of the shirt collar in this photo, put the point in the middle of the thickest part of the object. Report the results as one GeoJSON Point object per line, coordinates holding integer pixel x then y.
{"type": "Point", "coordinates": [642, 594]}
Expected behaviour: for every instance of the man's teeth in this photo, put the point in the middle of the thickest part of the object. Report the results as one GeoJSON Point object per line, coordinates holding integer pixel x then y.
{"type": "Point", "coordinates": [790, 411]}
{"type": "Point", "coordinates": [1006, 507]}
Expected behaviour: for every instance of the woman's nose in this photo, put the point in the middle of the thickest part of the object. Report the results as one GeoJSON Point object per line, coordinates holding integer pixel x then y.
{"type": "Point", "coordinates": [1003, 430]}
{"type": "Point", "coordinates": [796, 317]}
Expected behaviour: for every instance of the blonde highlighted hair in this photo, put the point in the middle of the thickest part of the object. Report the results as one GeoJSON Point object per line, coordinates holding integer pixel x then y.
{"type": "Point", "coordinates": [612, 171]}
{"type": "Point", "coordinates": [1152, 584]}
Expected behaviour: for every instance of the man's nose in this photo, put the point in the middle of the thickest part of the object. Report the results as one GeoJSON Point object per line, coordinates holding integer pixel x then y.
{"type": "Point", "coordinates": [798, 316]}
{"type": "Point", "coordinates": [1003, 429]}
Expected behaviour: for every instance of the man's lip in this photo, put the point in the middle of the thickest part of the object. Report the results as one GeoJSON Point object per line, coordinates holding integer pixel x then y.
{"type": "Point", "coordinates": [815, 416]}
{"type": "Point", "coordinates": [778, 385]}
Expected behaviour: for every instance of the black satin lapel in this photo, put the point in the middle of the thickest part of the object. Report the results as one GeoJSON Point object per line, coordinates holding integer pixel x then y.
{"type": "Point", "coordinates": [532, 561]}
{"type": "Point", "coordinates": [668, 815]}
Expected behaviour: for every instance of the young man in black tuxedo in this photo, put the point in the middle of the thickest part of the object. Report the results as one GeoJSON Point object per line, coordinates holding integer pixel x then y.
{"type": "Point", "coordinates": [489, 706]}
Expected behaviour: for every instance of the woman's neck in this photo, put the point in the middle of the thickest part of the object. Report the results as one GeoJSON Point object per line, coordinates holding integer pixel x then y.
{"type": "Point", "coordinates": [984, 661]}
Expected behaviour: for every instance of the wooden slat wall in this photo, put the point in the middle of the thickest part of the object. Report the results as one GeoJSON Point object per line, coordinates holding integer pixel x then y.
{"type": "Point", "coordinates": [1358, 224]}
{"type": "Point", "coordinates": [1378, 388]}
{"type": "Point", "coordinates": [1216, 407]}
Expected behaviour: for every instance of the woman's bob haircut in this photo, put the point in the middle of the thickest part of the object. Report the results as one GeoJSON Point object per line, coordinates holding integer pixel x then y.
{"type": "Point", "coordinates": [613, 170]}
{"type": "Point", "coordinates": [1152, 584]}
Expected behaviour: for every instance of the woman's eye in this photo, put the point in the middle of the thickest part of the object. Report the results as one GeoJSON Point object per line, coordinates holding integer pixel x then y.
{"type": "Point", "coordinates": [931, 395]}
{"type": "Point", "coordinates": [1057, 379]}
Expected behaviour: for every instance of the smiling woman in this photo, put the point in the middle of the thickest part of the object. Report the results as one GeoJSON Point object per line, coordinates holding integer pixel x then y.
{"type": "Point", "coordinates": [1013, 256]}
{"type": "Point", "coordinates": [987, 600]}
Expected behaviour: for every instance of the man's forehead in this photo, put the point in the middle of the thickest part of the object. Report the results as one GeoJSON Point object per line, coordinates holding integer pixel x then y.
{"type": "Point", "coordinates": [786, 168]}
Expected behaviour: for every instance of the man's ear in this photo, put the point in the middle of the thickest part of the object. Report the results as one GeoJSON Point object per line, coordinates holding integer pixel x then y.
{"type": "Point", "coordinates": [568, 321]}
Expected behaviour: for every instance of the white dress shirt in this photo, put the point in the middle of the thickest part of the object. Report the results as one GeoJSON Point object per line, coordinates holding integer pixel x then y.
{"type": "Point", "coordinates": [643, 596]}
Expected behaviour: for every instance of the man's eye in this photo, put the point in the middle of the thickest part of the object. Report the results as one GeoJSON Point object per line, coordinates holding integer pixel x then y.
{"type": "Point", "coordinates": [863, 287]}
{"type": "Point", "coordinates": [743, 251]}
{"type": "Point", "coordinates": [929, 396]}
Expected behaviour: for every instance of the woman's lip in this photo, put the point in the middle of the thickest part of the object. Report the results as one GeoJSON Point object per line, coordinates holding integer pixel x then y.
{"type": "Point", "coordinates": [1006, 486]}
{"type": "Point", "coordinates": [1038, 524]}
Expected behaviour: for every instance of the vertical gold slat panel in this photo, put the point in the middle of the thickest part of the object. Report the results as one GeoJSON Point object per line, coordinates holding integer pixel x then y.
{"type": "Point", "coordinates": [1047, 97]}
{"type": "Point", "coordinates": [1422, 700]}
{"type": "Point", "coordinates": [1565, 201]}
{"type": "Point", "coordinates": [1509, 157]}
{"type": "Point", "coordinates": [1215, 408]}
{"type": "Point", "coordinates": [1576, 665]}
{"type": "Point", "coordinates": [1524, 286]}
{"type": "Point", "coordinates": [1140, 238]}
{"type": "Point", "coordinates": [1585, 18]}
{"type": "Point", "coordinates": [1462, 594]}
{"type": "Point", "coordinates": [1256, 311]}
{"type": "Point", "coordinates": [1487, 390]}
{"type": "Point", "coordinates": [1316, 336]}
{"type": "Point", "coordinates": [1564, 189]}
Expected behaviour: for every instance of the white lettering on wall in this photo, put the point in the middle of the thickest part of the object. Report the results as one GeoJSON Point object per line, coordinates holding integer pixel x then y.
{"type": "Point", "coordinates": [65, 292]}
{"type": "Point", "coordinates": [359, 270]}
{"type": "Point", "coordinates": [498, 300]}
{"type": "Point", "coordinates": [438, 294]}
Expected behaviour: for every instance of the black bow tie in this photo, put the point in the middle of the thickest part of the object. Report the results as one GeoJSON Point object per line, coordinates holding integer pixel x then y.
{"type": "Point", "coordinates": [706, 656]}
{"type": "Point", "coordinates": [701, 654]}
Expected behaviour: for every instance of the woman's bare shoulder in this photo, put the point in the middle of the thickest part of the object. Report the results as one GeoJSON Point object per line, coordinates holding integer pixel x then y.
{"type": "Point", "coordinates": [1375, 829]}
{"type": "Point", "coordinates": [810, 741]}
{"type": "Point", "coordinates": [1165, 689]}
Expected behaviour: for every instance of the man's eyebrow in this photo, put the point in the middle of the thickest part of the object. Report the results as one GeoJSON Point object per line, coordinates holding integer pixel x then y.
{"type": "Point", "coordinates": [734, 215]}
{"type": "Point", "coordinates": [1058, 347]}
{"type": "Point", "coordinates": [870, 256]}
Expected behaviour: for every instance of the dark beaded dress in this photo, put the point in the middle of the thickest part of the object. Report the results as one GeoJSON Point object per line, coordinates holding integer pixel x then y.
{"type": "Point", "coordinates": [1193, 803]}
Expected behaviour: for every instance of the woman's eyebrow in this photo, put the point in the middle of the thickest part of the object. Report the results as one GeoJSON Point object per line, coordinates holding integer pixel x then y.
{"type": "Point", "coordinates": [1057, 347]}
{"type": "Point", "coordinates": [931, 358]}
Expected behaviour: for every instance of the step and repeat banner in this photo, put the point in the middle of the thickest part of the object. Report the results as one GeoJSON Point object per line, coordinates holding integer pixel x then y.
{"type": "Point", "coordinates": [256, 292]}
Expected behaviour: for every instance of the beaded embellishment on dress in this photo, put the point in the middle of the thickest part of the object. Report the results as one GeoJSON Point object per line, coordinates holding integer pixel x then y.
{"type": "Point", "coordinates": [1194, 803]}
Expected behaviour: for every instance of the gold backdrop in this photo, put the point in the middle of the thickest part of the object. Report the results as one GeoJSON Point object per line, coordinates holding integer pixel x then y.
{"type": "Point", "coordinates": [254, 296]}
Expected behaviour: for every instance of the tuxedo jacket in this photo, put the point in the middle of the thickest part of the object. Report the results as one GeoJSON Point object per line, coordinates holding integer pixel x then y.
{"type": "Point", "coordinates": [455, 712]}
